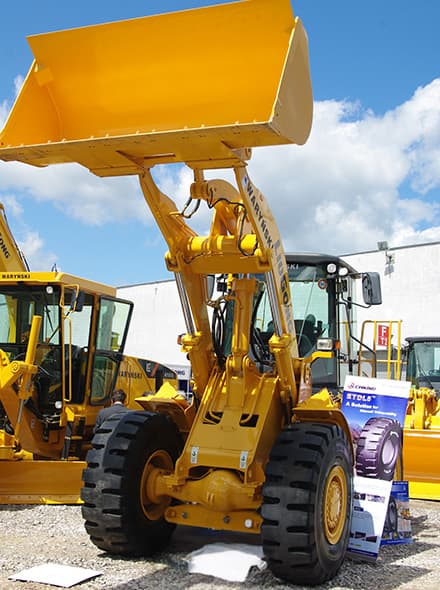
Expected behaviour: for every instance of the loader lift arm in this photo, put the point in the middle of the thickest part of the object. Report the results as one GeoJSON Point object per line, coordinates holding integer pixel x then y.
{"type": "Point", "coordinates": [243, 240]}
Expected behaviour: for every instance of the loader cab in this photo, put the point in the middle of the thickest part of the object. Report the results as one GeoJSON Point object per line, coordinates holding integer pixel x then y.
{"type": "Point", "coordinates": [423, 362]}
{"type": "Point", "coordinates": [323, 295]}
{"type": "Point", "coordinates": [316, 285]}
{"type": "Point", "coordinates": [80, 342]}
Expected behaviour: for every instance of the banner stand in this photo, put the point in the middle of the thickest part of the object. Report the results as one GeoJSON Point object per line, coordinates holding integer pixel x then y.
{"type": "Point", "coordinates": [375, 410]}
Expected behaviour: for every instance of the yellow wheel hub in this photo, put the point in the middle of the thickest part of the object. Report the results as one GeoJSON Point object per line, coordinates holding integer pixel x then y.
{"type": "Point", "coordinates": [335, 503]}
{"type": "Point", "coordinates": [154, 506]}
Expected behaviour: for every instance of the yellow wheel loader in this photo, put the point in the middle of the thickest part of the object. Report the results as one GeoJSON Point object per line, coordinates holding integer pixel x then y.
{"type": "Point", "coordinates": [256, 451]}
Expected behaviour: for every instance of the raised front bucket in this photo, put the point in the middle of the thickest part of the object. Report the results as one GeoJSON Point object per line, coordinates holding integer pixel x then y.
{"type": "Point", "coordinates": [184, 86]}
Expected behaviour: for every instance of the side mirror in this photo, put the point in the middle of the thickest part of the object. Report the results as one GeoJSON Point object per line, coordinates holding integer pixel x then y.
{"type": "Point", "coordinates": [371, 288]}
{"type": "Point", "coordinates": [77, 302]}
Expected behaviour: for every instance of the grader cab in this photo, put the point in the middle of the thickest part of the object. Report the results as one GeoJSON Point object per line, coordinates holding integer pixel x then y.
{"type": "Point", "coordinates": [58, 333]}
{"type": "Point", "coordinates": [44, 437]}
{"type": "Point", "coordinates": [61, 343]}
{"type": "Point", "coordinates": [255, 451]}
{"type": "Point", "coordinates": [422, 422]}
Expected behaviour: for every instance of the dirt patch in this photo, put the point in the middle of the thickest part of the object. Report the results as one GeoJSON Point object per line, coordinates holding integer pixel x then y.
{"type": "Point", "coordinates": [33, 535]}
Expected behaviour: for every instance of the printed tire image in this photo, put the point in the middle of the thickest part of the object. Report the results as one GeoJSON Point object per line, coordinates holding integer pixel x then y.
{"type": "Point", "coordinates": [391, 522]}
{"type": "Point", "coordinates": [307, 500]}
{"type": "Point", "coordinates": [379, 448]}
{"type": "Point", "coordinates": [119, 516]}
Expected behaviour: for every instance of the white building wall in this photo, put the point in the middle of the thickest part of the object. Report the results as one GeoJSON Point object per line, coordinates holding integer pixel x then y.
{"type": "Point", "coordinates": [156, 323]}
{"type": "Point", "coordinates": [410, 280]}
{"type": "Point", "coordinates": [410, 292]}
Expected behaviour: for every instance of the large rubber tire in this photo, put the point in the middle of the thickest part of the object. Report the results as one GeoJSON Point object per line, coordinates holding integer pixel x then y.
{"type": "Point", "coordinates": [119, 517]}
{"type": "Point", "coordinates": [379, 448]}
{"type": "Point", "coordinates": [307, 503]}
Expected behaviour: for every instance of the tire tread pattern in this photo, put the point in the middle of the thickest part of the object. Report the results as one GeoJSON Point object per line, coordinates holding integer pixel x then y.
{"type": "Point", "coordinates": [112, 510]}
{"type": "Point", "coordinates": [293, 539]}
{"type": "Point", "coordinates": [374, 434]}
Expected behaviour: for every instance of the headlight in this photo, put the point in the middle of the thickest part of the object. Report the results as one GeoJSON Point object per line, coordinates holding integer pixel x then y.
{"type": "Point", "coordinates": [327, 344]}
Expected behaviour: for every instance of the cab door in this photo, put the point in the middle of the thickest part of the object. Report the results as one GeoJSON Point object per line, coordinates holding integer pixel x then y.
{"type": "Point", "coordinates": [112, 327]}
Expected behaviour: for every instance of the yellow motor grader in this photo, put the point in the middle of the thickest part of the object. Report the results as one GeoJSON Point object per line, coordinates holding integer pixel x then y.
{"type": "Point", "coordinates": [61, 344]}
{"type": "Point", "coordinates": [45, 431]}
{"type": "Point", "coordinates": [257, 450]}
{"type": "Point", "coordinates": [11, 257]}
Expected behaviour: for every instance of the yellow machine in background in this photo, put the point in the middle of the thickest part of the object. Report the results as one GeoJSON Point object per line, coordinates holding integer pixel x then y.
{"type": "Point", "coordinates": [45, 434]}
{"type": "Point", "coordinates": [418, 363]}
{"type": "Point", "coordinates": [256, 451]}
{"type": "Point", "coordinates": [11, 257]}
{"type": "Point", "coordinates": [49, 399]}
{"type": "Point", "coordinates": [422, 423]}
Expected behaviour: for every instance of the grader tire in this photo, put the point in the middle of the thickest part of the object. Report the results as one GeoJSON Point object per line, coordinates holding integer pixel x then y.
{"type": "Point", "coordinates": [119, 518]}
{"type": "Point", "coordinates": [379, 448]}
{"type": "Point", "coordinates": [307, 500]}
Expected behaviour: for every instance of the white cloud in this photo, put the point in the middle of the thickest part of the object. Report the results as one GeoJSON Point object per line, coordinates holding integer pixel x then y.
{"type": "Point", "coordinates": [12, 205]}
{"type": "Point", "coordinates": [359, 179]}
{"type": "Point", "coordinates": [38, 258]}
{"type": "Point", "coordinates": [4, 109]}
{"type": "Point", "coordinates": [77, 192]}
{"type": "Point", "coordinates": [174, 181]}
{"type": "Point", "coordinates": [18, 83]}
{"type": "Point", "coordinates": [344, 190]}
{"type": "Point", "coordinates": [28, 241]}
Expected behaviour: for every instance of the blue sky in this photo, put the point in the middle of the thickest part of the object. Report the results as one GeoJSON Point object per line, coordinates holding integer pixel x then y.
{"type": "Point", "coordinates": [369, 172]}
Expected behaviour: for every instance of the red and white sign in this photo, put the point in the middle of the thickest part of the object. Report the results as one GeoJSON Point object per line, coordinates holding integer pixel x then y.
{"type": "Point", "coordinates": [383, 335]}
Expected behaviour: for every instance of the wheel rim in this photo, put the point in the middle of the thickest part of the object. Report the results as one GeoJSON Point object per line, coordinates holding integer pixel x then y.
{"type": "Point", "coordinates": [389, 452]}
{"type": "Point", "coordinates": [335, 503]}
{"type": "Point", "coordinates": [158, 461]}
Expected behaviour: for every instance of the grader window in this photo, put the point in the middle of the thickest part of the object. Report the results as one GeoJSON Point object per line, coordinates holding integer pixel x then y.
{"type": "Point", "coordinates": [77, 326]}
{"type": "Point", "coordinates": [77, 323]}
{"type": "Point", "coordinates": [424, 364]}
{"type": "Point", "coordinates": [113, 321]}
{"type": "Point", "coordinates": [18, 305]}
{"type": "Point", "coordinates": [104, 372]}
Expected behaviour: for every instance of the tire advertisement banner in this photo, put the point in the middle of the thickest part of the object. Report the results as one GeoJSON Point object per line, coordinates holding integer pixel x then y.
{"type": "Point", "coordinates": [375, 410]}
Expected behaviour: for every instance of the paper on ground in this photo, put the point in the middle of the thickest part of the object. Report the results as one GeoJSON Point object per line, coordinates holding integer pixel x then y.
{"type": "Point", "coordinates": [230, 562]}
{"type": "Point", "coordinates": [55, 574]}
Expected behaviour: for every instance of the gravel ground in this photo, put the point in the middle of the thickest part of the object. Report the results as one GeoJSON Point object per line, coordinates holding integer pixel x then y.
{"type": "Point", "coordinates": [33, 535]}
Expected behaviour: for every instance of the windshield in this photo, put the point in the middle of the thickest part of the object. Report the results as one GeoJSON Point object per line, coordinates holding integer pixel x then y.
{"type": "Point", "coordinates": [314, 310]}
{"type": "Point", "coordinates": [424, 364]}
{"type": "Point", "coordinates": [310, 297]}
{"type": "Point", "coordinates": [18, 305]}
